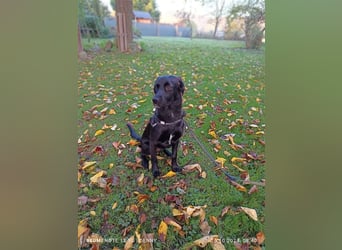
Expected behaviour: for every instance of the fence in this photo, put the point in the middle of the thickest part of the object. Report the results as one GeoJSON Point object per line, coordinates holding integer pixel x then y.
{"type": "Point", "coordinates": [153, 29]}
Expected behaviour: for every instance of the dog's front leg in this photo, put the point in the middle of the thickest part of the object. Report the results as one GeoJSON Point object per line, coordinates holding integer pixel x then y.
{"type": "Point", "coordinates": [175, 167]}
{"type": "Point", "coordinates": [154, 160]}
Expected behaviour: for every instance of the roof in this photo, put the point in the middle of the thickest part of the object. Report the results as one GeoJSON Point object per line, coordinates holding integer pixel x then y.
{"type": "Point", "coordinates": [141, 14]}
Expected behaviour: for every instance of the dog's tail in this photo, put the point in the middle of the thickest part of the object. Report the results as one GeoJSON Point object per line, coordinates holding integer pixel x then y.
{"type": "Point", "coordinates": [134, 134]}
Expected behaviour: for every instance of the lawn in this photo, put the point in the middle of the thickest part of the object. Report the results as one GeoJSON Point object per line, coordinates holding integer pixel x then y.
{"type": "Point", "coordinates": [224, 102]}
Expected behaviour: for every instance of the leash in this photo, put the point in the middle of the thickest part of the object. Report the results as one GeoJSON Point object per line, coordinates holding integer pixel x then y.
{"type": "Point", "coordinates": [212, 159]}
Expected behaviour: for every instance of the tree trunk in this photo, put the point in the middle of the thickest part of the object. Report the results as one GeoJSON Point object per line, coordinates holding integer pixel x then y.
{"type": "Point", "coordinates": [124, 16]}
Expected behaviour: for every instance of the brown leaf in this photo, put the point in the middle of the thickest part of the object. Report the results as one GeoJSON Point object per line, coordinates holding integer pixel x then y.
{"type": "Point", "coordinates": [225, 210]}
{"type": "Point", "coordinates": [253, 189]}
{"type": "Point", "coordinates": [260, 237]}
{"type": "Point", "coordinates": [142, 218]}
{"type": "Point", "coordinates": [171, 222]}
{"type": "Point", "coordinates": [142, 198]}
{"type": "Point", "coordinates": [213, 219]}
{"type": "Point", "coordinates": [205, 228]}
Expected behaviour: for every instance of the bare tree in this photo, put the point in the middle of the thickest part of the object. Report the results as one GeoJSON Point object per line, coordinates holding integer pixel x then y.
{"type": "Point", "coordinates": [253, 14]}
{"type": "Point", "coordinates": [219, 10]}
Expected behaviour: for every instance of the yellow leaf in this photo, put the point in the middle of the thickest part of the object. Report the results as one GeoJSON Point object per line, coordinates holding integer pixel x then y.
{"type": "Point", "coordinates": [240, 169]}
{"type": "Point", "coordinates": [142, 101]}
{"type": "Point", "coordinates": [140, 179]}
{"type": "Point", "coordinates": [221, 161]}
{"type": "Point", "coordinates": [213, 133]}
{"type": "Point", "coordinates": [111, 165]}
{"type": "Point", "coordinates": [92, 213]}
{"type": "Point", "coordinates": [88, 164]}
{"type": "Point", "coordinates": [99, 132]}
{"type": "Point", "coordinates": [259, 132]}
{"type": "Point", "coordinates": [162, 231]}
{"type": "Point", "coordinates": [115, 204]}
{"type": "Point", "coordinates": [112, 112]}
{"type": "Point", "coordinates": [79, 175]}
{"type": "Point", "coordinates": [250, 212]}
{"type": "Point", "coordinates": [169, 174]}
{"type": "Point", "coordinates": [82, 227]}
{"type": "Point", "coordinates": [96, 177]}
{"type": "Point", "coordinates": [237, 159]}
{"type": "Point", "coordinates": [129, 243]}
{"type": "Point", "coordinates": [176, 212]}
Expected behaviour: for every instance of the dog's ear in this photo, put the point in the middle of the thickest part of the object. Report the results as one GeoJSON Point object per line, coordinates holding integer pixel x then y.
{"type": "Point", "coordinates": [181, 86]}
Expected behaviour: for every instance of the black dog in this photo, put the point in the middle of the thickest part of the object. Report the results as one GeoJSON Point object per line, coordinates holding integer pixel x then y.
{"type": "Point", "coordinates": [166, 125]}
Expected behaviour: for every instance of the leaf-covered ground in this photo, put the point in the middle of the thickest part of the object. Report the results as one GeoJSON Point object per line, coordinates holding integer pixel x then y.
{"type": "Point", "coordinates": [121, 206]}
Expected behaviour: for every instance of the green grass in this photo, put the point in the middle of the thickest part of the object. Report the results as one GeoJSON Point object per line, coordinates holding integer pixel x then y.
{"type": "Point", "coordinates": [225, 84]}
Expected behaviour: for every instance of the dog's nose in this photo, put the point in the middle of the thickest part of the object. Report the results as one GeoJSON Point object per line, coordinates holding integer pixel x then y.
{"type": "Point", "coordinates": [155, 100]}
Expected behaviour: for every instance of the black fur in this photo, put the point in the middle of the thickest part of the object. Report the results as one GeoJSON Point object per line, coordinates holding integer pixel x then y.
{"type": "Point", "coordinates": [166, 126]}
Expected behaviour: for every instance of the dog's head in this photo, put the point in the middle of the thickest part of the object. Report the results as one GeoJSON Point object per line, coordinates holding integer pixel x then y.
{"type": "Point", "coordinates": [168, 90]}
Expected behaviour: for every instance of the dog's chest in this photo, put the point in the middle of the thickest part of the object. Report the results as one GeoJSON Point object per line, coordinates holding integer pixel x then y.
{"type": "Point", "coordinates": [166, 138]}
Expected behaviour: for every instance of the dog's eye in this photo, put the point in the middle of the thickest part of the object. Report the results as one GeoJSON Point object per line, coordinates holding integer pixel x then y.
{"type": "Point", "coordinates": [168, 87]}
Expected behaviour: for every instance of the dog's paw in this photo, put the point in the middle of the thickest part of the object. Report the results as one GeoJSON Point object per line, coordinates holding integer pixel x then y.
{"type": "Point", "coordinates": [156, 173]}
{"type": "Point", "coordinates": [177, 169]}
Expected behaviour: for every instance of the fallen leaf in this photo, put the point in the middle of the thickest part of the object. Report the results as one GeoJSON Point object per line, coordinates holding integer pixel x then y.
{"type": "Point", "coordinates": [162, 231]}
{"type": "Point", "coordinates": [92, 213]}
{"type": "Point", "coordinates": [95, 241]}
{"type": "Point", "coordinates": [225, 210]}
{"type": "Point", "coordinates": [238, 186]}
{"type": "Point", "coordinates": [203, 174]}
{"type": "Point", "coordinates": [142, 198]}
{"type": "Point", "coordinates": [129, 243]}
{"type": "Point", "coordinates": [133, 142]}
{"type": "Point", "coordinates": [237, 159]}
{"type": "Point", "coordinates": [221, 161]}
{"type": "Point", "coordinates": [202, 242]}
{"type": "Point", "coordinates": [82, 200]}
{"type": "Point", "coordinates": [260, 237]}
{"type": "Point", "coordinates": [115, 204]}
{"type": "Point", "coordinates": [192, 167]}
{"type": "Point", "coordinates": [205, 228]}
{"type": "Point", "coordinates": [216, 244]}
{"type": "Point", "coordinates": [238, 168]}
{"type": "Point", "coordinates": [171, 222]}
{"type": "Point", "coordinates": [87, 165]}
{"type": "Point", "coordinates": [99, 132]}
{"type": "Point", "coordinates": [169, 174]}
{"type": "Point", "coordinates": [250, 212]}
{"type": "Point", "coordinates": [142, 218]}
{"type": "Point", "coordinates": [213, 133]}
{"type": "Point", "coordinates": [213, 219]}
{"type": "Point", "coordinates": [96, 177]}
{"type": "Point", "coordinates": [140, 179]}
{"type": "Point", "coordinates": [253, 189]}
{"type": "Point", "coordinates": [83, 232]}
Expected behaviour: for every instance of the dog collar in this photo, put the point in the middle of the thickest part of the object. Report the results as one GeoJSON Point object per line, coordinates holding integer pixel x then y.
{"type": "Point", "coordinates": [155, 121]}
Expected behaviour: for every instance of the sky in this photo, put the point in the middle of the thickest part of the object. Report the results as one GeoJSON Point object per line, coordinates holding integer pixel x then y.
{"type": "Point", "coordinates": [168, 8]}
